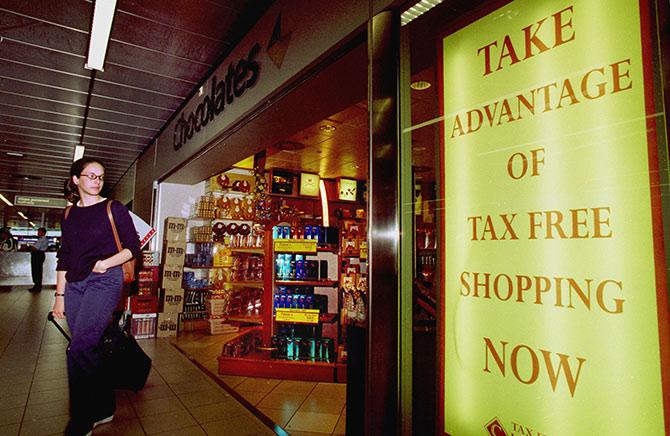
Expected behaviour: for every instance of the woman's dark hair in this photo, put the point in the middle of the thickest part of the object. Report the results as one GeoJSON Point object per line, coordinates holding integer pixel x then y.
{"type": "Point", "coordinates": [71, 191]}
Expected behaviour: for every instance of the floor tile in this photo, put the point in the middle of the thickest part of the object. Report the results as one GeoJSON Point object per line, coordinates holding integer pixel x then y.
{"type": "Point", "coordinates": [341, 426]}
{"type": "Point", "coordinates": [10, 402]}
{"type": "Point", "coordinates": [315, 422]}
{"type": "Point", "coordinates": [46, 396]}
{"type": "Point", "coordinates": [278, 416]}
{"type": "Point", "coordinates": [294, 387]}
{"type": "Point", "coordinates": [45, 410]}
{"type": "Point", "coordinates": [44, 426]}
{"type": "Point", "coordinates": [202, 398]}
{"type": "Point", "coordinates": [218, 411]}
{"type": "Point", "coordinates": [49, 384]}
{"type": "Point", "coordinates": [11, 416]}
{"type": "Point", "coordinates": [171, 421]}
{"type": "Point", "coordinates": [195, 430]}
{"type": "Point", "coordinates": [129, 427]}
{"type": "Point", "coordinates": [185, 386]}
{"type": "Point", "coordinates": [232, 380]}
{"type": "Point", "coordinates": [330, 390]}
{"type": "Point", "coordinates": [10, 430]}
{"type": "Point", "coordinates": [151, 393]}
{"type": "Point", "coordinates": [252, 397]}
{"type": "Point", "coordinates": [322, 405]}
{"type": "Point", "coordinates": [239, 426]}
{"type": "Point", "coordinates": [263, 385]}
{"type": "Point", "coordinates": [282, 401]}
{"type": "Point", "coordinates": [157, 406]}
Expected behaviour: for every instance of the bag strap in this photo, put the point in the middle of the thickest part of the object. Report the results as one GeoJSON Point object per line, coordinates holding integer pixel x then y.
{"type": "Point", "coordinates": [67, 212]}
{"type": "Point", "coordinates": [111, 221]}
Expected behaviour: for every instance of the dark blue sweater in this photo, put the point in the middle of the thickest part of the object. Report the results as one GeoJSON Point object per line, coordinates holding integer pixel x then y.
{"type": "Point", "coordinates": [87, 237]}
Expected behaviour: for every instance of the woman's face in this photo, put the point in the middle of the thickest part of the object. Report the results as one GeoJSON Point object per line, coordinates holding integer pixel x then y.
{"type": "Point", "coordinates": [91, 180]}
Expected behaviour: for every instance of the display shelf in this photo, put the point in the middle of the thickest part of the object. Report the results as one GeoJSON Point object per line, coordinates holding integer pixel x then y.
{"type": "Point", "coordinates": [202, 218]}
{"type": "Point", "coordinates": [328, 249]}
{"type": "Point", "coordinates": [207, 289]}
{"type": "Point", "coordinates": [253, 250]}
{"type": "Point", "coordinates": [246, 284]}
{"type": "Point", "coordinates": [200, 267]}
{"type": "Point", "coordinates": [327, 318]}
{"type": "Point", "coordinates": [323, 283]}
{"type": "Point", "coordinates": [294, 245]}
{"type": "Point", "coordinates": [259, 365]}
{"type": "Point", "coordinates": [249, 319]}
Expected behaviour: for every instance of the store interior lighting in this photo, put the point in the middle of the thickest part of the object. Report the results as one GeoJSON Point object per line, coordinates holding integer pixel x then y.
{"type": "Point", "coordinates": [103, 15]}
{"type": "Point", "coordinates": [78, 152]}
{"type": "Point", "coordinates": [419, 8]}
{"type": "Point", "coordinates": [3, 198]}
{"type": "Point", "coordinates": [324, 204]}
{"type": "Point", "coordinates": [22, 215]}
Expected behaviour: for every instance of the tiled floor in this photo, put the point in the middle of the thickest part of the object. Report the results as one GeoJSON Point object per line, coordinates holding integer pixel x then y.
{"type": "Point", "coordinates": [301, 408]}
{"type": "Point", "coordinates": [179, 398]}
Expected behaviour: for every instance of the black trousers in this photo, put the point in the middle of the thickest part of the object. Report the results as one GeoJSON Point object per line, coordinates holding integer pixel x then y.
{"type": "Point", "coordinates": [36, 266]}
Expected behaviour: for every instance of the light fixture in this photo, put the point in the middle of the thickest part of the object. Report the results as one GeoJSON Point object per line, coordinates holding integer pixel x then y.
{"type": "Point", "coordinates": [32, 224]}
{"type": "Point", "coordinates": [103, 15]}
{"type": "Point", "coordinates": [327, 128]}
{"type": "Point", "coordinates": [22, 215]}
{"type": "Point", "coordinates": [3, 198]}
{"type": "Point", "coordinates": [417, 10]}
{"type": "Point", "coordinates": [13, 153]}
{"type": "Point", "coordinates": [324, 204]}
{"type": "Point", "coordinates": [419, 85]}
{"type": "Point", "coordinates": [78, 152]}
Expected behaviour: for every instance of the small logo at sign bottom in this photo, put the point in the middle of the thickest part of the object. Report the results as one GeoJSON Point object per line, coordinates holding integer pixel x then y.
{"type": "Point", "coordinates": [495, 428]}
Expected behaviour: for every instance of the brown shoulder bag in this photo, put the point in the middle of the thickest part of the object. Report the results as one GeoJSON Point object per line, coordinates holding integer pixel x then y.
{"type": "Point", "coordinates": [129, 266]}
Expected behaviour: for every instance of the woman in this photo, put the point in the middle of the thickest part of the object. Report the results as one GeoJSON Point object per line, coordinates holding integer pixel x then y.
{"type": "Point", "coordinates": [7, 241]}
{"type": "Point", "coordinates": [88, 288]}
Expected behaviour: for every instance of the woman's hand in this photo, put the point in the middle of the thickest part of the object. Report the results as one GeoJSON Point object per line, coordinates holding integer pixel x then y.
{"type": "Point", "coordinates": [59, 308]}
{"type": "Point", "coordinates": [99, 267]}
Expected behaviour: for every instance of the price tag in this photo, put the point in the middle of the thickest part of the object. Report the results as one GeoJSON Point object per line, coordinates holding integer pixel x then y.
{"type": "Point", "coordinates": [307, 316]}
{"type": "Point", "coordinates": [295, 245]}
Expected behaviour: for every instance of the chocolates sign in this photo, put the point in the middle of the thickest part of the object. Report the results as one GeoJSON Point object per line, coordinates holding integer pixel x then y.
{"type": "Point", "coordinates": [239, 77]}
{"type": "Point", "coordinates": [554, 283]}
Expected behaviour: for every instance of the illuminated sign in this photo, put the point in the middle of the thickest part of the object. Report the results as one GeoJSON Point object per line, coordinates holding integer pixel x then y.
{"type": "Point", "coordinates": [553, 292]}
{"type": "Point", "coordinates": [347, 189]}
{"type": "Point", "coordinates": [295, 245]}
{"type": "Point", "coordinates": [309, 184]}
{"type": "Point", "coordinates": [306, 316]}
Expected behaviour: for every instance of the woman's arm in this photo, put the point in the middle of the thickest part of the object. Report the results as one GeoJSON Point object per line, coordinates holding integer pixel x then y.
{"type": "Point", "coordinates": [59, 305]}
{"type": "Point", "coordinates": [119, 258]}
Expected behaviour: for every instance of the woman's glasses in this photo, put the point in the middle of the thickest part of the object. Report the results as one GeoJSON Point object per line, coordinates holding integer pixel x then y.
{"type": "Point", "coordinates": [93, 177]}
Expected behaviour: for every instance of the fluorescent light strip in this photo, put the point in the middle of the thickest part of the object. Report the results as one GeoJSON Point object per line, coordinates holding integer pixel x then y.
{"type": "Point", "coordinates": [324, 204]}
{"type": "Point", "coordinates": [78, 152]}
{"type": "Point", "coordinates": [3, 198]}
{"type": "Point", "coordinates": [22, 215]}
{"type": "Point", "coordinates": [13, 153]}
{"type": "Point", "coordinates": [103, 15]}
{"type": "Point", "coordinates": [417, 10]}
{"type": "Point", "coordinates": [31, 223]}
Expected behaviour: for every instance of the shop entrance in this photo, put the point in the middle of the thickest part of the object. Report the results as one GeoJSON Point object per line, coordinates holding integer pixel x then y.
{"type": "Point", "coordinates": [269, 275]}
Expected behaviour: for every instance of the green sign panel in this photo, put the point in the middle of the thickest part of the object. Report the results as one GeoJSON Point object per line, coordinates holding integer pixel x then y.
{"type": "Point", "coordinates": [23, 200]}
{"type": "Point", "coordinates": [551, 315]}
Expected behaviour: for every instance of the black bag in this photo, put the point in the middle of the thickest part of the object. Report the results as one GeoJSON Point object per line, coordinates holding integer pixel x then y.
{"type": "Point", "coordinates": [124, 359]}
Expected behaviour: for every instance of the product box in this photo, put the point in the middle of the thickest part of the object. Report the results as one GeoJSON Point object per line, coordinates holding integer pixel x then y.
{"type": "Point", "coordinates": [172, 301]}
{"type": "Point", "coordinates": [220, 327]}
{"type": "Point", "coordinates": [171, 277]}
{"type": "Point", "coordinates": [142, 304]}
{"type": "Point", "coordinates": [143, 326]}
{"type": "Point", "coordinates": [167, 325]}
{"type": "Point", "coordinates": [148, 274]}
{"type": "Point", "coordinates": [174, 253]}
{"type": "Point", "coordinates": [149, 289]}
{"type": "Point", "coordinates": [150, 258]}
{"type": "Point", "coordinates": [175, 229]}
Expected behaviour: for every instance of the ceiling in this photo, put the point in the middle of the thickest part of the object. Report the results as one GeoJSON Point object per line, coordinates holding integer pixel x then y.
{"type": "Point", "coordinates": [159, 53]}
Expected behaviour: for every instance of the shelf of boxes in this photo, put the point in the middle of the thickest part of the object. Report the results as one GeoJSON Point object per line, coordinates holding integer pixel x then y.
{"type": "Point", "coordinates": [172, 270]}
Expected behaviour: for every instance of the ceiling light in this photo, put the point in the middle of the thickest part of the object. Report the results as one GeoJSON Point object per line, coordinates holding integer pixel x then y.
{"type": "Point", "coordinates": [22, 215]}
{"type": "Point", "coordinates": [418, 9]}
{"type": "Point", "coordinates": [78, 152]}
{"type": "Point", "coordinates": [327, 128]}
{"type": "Point", "coordinates": [13, 153]}
{"type": "Point", "coordinates": [3, 198]}
{"type": "Point", "coordinates": [419, 85]}
{"type": "Point", "coordinates": [31, 223]}
{"type": "Point", "coordinates": [103, 15]}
